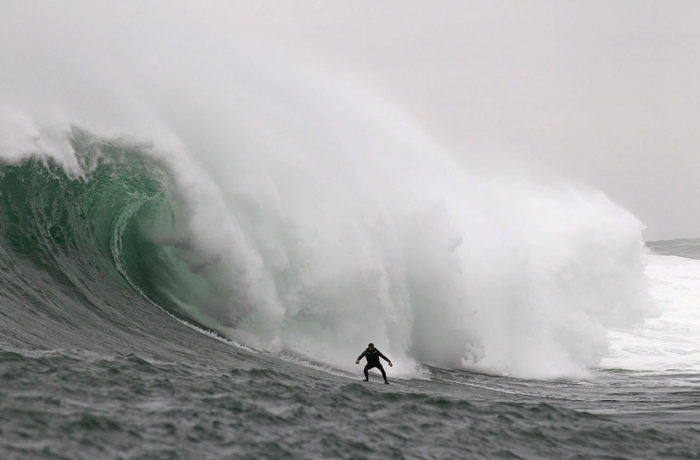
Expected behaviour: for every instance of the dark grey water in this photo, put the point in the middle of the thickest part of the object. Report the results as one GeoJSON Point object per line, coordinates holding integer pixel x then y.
{"type": "Point", "coordinates": [689, 248]}
{"type": "Point", "coordinates": [220, 402]}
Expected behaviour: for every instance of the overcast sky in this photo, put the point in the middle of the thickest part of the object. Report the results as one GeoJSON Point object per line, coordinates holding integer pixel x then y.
{"type": "Point", "coordinates": [604, 92]}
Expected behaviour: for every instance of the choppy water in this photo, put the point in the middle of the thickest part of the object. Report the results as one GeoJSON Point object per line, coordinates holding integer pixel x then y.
{"type": "Point", "coordinates": [224, 403]}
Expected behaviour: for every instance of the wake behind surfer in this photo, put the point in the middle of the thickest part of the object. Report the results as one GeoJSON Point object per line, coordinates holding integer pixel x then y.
{"type": "Point", "coordinates": [373, 355]}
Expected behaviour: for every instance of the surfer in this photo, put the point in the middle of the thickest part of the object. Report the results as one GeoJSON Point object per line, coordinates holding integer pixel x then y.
{"type": "Point", "coordinates": [373, 355]}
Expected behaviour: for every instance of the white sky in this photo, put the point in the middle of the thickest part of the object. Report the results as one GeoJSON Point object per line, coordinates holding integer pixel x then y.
{"type": "Point", "coordinates": [604, 92]}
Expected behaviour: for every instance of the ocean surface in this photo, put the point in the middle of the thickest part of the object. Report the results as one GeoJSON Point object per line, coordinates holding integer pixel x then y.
{"type": "Point", "coordinates": [104, 353]}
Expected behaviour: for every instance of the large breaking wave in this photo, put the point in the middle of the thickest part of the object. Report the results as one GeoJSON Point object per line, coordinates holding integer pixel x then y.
{"type": "Point", "coordinates": [288, 211]}
{"type": "Point", "coordinates": [439, 268]}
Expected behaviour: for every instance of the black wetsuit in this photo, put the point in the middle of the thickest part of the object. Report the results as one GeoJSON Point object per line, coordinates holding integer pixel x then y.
{"type": "Point", "coordinates": [373, 356]}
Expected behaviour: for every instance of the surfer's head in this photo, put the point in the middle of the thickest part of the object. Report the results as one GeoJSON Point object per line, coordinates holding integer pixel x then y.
{"type": "Point", "coordinates": [370, 346]}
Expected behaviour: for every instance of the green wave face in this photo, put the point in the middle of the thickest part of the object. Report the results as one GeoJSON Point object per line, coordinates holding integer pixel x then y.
{"type": "Point", "coordinates": [118, 220]}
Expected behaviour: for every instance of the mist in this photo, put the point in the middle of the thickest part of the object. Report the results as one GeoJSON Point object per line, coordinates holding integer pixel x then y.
{"type": "Point", "coordinates": [602, 93]}
{"type": "Point", "coordinates": [598, 92]}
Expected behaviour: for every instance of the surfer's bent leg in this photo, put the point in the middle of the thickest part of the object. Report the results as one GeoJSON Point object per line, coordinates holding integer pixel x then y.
{"type": "Point", "coordinates": [381, 368]}
{"type": "Point", "coordinates": [366, 372]}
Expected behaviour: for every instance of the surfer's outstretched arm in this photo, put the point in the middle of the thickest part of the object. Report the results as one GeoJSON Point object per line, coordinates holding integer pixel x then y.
{"type": "Point", "coordinates": [362, 355]}
{"type": "Point", "coordinates": [385, 359]}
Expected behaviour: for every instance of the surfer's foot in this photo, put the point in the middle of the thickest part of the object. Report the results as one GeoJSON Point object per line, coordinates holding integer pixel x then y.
{"type": "Point", "coordinates": [386, 382]}
{"type": "Point", "coordinates": [366, 380]}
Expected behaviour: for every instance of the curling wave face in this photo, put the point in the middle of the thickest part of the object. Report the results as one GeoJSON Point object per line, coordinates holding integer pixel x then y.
{"type": "Point", "coordinates": [119, 217]}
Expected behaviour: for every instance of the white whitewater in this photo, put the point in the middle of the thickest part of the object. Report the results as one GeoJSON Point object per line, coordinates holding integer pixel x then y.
{"type": "Point", "coordinates": [669, 342]}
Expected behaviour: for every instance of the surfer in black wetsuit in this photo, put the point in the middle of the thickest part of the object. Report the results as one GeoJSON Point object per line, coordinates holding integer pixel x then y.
{"type": "Point", "coordinates": [373, 355]}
